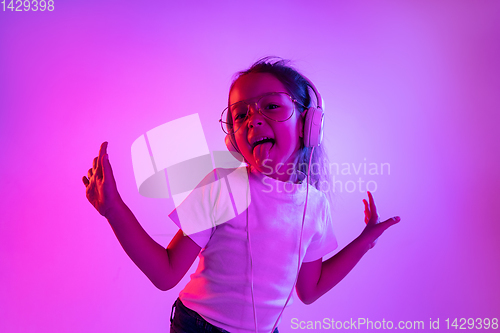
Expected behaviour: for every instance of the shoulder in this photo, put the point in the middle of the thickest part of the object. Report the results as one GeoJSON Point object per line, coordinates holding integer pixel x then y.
{"type": "Point", "coordinates": [318, 199]}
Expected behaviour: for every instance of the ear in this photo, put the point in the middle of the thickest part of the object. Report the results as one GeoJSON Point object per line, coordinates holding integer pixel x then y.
{"type": "Point", "coordinates": [230, 145]}
{"type": "Point", "coordinates": [233, 148]}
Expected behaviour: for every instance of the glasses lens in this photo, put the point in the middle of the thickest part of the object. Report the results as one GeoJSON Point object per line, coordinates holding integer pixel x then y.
{"type": "Point", "coordinates": [276, 106]}
{"type": "Point", "coordinates": [230, 125]}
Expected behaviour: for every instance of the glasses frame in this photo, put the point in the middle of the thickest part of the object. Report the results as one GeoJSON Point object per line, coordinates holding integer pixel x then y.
{"type": "Point", "coordinates": [257, 98]}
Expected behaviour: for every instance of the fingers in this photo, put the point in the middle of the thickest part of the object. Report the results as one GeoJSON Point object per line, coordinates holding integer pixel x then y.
{"type": "Point", "coordinates": [97, 165]}
{"type": "Point", "coordinates": [106, 166]}
{"type": "Point", "coordinates": [375, 228]}
{"type": "Point", "coordinates": [103, 149]}
{"type": "Point", "coordinates": [107, 172]}
{"type": "Point", "coordinates": [367, 211]}
{"type": "Point", "coordinates": [373, 207]}
{"type": "Point", "coordinates": [102, 152]}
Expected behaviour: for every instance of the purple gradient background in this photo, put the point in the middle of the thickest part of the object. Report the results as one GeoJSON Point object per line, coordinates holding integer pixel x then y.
{"type": "Point", "coordinates": [411, 83]}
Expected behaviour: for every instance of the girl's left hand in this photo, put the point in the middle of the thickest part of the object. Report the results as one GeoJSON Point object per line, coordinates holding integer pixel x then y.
{"type": "Point", "coordinates": [374, 228]}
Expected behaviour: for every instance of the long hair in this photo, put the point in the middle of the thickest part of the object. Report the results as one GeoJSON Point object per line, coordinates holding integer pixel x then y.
{"type": "Point", "coordinates": [299, 88]}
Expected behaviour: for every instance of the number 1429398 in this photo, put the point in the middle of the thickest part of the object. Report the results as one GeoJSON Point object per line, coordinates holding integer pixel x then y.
{"type": "Point", "coordinates": [28, 5]}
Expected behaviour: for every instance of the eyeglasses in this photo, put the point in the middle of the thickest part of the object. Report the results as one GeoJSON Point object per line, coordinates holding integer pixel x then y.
{"type": "Point", "coordinates": [276, 106]}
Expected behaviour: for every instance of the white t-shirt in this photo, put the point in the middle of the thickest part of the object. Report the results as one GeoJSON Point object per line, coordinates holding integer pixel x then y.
{"type": "Point", "coordinates": [220, 289]}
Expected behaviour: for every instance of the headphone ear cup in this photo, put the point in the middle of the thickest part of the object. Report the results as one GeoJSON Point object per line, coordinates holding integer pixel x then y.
{"type": "Point", "coordinates": [313, 127]}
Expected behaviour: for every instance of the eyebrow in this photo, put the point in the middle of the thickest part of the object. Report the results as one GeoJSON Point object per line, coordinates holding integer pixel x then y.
{"type": "Point", "coordinates": [246, 100]}
{"type": "Point", "coordinates": [269, 93]}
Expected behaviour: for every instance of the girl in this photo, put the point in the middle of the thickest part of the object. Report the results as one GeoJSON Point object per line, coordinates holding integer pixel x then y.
{"type": "Point", "coordinates": [250, 264]}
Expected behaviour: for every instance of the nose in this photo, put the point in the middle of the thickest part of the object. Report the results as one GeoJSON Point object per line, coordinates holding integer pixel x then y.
{"type": "Point", "coordinates": [254, 116]}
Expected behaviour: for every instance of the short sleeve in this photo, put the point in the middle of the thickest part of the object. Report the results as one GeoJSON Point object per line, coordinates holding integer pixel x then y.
{"type": "Point", "coordinates": [323, 242]}
{"type": "Point", "coordinates": [201, 238]}
{"type": "Point", "coordinates": [205, 207]}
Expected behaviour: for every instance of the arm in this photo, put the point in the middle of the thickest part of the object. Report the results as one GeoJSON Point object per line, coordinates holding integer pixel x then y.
{"type": "Point", "coordinates": [164, 267]}
{"type": "Point", "coordinates": [317, 277]}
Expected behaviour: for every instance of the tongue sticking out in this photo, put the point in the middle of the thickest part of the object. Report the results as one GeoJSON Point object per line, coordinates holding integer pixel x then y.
{"type": "Point", "coordinates": [261, 152]}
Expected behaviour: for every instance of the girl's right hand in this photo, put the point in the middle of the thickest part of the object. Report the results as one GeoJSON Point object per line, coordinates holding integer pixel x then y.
{"type": "Point", "coordinates": [100, 185]}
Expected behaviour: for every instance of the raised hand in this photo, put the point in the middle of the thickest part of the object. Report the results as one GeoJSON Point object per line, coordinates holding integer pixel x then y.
{"type": "Point", "coordinates": [100, 183]}
{"type": "Point", "coordinates": [374, 228]}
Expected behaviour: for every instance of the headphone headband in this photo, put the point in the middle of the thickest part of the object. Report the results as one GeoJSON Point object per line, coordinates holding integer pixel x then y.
{"type": "Point", "coordinates": [319, 100]}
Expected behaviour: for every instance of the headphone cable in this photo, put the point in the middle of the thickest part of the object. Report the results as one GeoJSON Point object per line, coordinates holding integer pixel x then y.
{"type": "Point", "coordinates": [300, 242]}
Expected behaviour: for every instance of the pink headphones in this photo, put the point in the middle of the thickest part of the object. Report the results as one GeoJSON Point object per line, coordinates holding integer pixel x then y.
{"type": "Point", "coordinates": [313, 124]}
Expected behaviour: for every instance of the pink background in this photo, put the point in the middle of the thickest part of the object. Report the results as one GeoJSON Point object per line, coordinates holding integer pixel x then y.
{"type": "Point", "coordinates": [411, 83]}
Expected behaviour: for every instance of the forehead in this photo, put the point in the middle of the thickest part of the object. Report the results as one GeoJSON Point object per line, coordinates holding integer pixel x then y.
{"type": "Point", "coordinates": [253, 85]}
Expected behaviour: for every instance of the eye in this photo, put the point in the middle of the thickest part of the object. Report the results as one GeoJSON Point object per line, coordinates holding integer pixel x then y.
{"type": "Point", "coordinates": [239, 116]}
{"type": "Point", "coordinates": [239, 112]}
{"type": "Point", "coordinates": [271, 106]}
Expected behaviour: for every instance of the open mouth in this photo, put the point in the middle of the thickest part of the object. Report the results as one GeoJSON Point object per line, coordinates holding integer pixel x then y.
{"type": "Point", "coordinates": [260, 142]}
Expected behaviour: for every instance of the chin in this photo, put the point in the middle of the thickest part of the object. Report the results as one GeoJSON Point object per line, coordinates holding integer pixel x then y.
{"type": "Point", "coordinates": [266, 168]}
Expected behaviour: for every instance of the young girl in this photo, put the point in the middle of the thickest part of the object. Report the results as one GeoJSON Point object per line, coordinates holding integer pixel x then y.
{"type": "Point", "coordinates": [250, 263]}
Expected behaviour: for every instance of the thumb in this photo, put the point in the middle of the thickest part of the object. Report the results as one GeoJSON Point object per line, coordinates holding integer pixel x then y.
{"type": "Point", "coordinates": [390, 222]}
